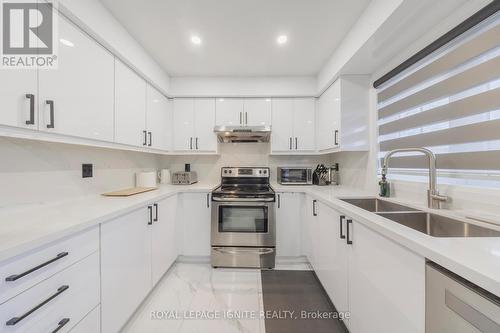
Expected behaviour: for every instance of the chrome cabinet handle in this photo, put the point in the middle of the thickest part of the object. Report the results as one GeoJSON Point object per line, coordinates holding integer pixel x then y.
{"type": "Point", "coordinates": [257, 251]}
{"type": "Point", "coordinates": [156, 212]}
{"type": "Point", "coordinates": [246, 118]}
{"type": "Point", "coordinates": [61, 324]}
{"type": "Point", "coordinates": [295, 143]}
{"type": "Point", "coordinates": [145, 142]}
{"type": "Point", "coordinates": [290, 143]}
{"type": "Point", "coordinates": [196, 144]}
{"type": "Point", "coordinates": [191, 143]}
{"type": "Point", "coordinates": [241, 117]}
{"type": "Point", "coordinates": [342, 236]}
{"type": "Point", "coordinates": [314, 208]}
{"type": "Point", "coordinates": [150, 136]}
{"type": "Point", "coordinates": [150, 213]}
{"type": "Point", "coordinates": [348, 235]}
{"type": "Point", "coordinates": [13, 321]}
{"type": "Point", "coordinates": [208, 200]}
{"type": "Point", "coordinates": [50, 103]}
{"type": "Point", "coordinates": [279, 200]}
{"type": "Point", "coordinates": [16, 277]}
{"type": "Point", "coordinates": [31, 121]}
{"type": "Point", "coordinates": [336, 136]}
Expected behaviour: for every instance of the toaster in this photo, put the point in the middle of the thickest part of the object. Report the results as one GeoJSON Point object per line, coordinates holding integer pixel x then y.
{"type": "Point", "coordinates": [184, 178]}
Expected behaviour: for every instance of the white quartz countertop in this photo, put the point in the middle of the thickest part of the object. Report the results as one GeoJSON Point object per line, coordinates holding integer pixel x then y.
{"type": "Point", "coordinates": [26, 227]}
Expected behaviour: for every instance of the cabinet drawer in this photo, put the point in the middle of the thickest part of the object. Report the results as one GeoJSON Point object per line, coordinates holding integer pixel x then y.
{"type": "Point", "coordinates": [62, 300]}
{"type": "Point", "coordinates": [90, 324]}
{"type": "Point", "coordinates": [24, 271]}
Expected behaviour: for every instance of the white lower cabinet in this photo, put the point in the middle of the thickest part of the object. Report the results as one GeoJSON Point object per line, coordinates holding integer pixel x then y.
{"type": "Point", "coordinates": [125, 267]}
{"type": "Point", "coordinates": [136, 250]}
{"type": "Point", "coordinates": [195, 223]}
{"type": "Point", "coordinates": [57, 303]}
{"type": "Point", "coordinates": [306, 227]}
{"type": "Point", "coordinates": [379, 282]}
{"type": "Point", "coordinates": [387, 285]}
{"type": "Point", "coordinates": [288, 224]}
{"type": "Point", "coordinates": [163, 237]}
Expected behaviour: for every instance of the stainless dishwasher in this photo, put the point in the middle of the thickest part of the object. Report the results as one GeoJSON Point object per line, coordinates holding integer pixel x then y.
{"type": "Point", "coordinates": [454, 305]}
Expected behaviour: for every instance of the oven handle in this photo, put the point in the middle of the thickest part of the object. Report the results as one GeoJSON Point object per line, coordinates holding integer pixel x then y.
{"type": "Point", "coordinates": [258, 251]}
{"type": "Point", "coordinates": [242, 199]}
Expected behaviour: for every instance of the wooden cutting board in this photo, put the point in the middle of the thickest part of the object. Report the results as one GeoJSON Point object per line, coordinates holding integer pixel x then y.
{"type": "Point", "coordinates": [129, 191]}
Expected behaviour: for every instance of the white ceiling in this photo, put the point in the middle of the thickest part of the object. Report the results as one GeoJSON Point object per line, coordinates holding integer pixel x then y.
{"type": "Point", "coordinates": [238, 36]}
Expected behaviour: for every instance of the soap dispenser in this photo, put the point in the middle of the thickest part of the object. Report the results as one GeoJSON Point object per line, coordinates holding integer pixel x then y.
{"type": "Point", "coordinates": [385, 187]}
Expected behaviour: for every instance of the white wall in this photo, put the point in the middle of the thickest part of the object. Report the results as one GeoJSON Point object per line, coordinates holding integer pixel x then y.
{"type": "Point", "coordinates": [98, 22]}
{"type": "Point", "coordinates": [242, 86]}
{"type": "Point", "coordinates": [33, 171]}
{"type": "Point", "coordinates": [249, 154]}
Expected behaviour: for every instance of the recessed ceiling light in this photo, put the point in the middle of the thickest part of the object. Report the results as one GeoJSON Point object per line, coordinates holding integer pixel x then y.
{"type": "Point", "coordinates": [196, 40]}
{"type": "Point", "coordinates": [66, 42]}
{"type": "Point", "coordinates": [282, 39]}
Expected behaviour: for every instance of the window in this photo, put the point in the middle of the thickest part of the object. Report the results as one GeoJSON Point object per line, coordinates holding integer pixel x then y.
{"type": "Point", "coordinates": [448, 102]}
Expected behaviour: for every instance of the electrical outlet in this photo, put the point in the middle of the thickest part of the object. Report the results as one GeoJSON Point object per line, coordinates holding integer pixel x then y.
{"type": "Point", "coordinates": [87, 170]}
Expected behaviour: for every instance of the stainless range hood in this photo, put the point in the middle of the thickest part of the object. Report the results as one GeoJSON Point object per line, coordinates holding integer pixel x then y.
{"type": "Point", "coordinates": [240, 134]}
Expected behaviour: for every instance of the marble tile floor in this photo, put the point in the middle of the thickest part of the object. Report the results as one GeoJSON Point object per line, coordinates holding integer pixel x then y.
{"type": "Point", "coordinates": [191, 294]}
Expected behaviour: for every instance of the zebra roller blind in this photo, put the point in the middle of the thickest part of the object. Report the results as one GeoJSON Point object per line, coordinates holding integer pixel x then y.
{"type": "Point", "coordinates": [448, 102]}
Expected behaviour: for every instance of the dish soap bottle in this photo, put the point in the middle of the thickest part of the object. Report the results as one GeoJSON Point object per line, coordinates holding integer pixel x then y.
{"type": "Point", "coordinates": [385, 187]}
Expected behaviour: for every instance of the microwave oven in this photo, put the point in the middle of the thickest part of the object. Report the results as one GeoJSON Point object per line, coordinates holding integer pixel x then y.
{"type": "Point", "coordinates": [295, 175]}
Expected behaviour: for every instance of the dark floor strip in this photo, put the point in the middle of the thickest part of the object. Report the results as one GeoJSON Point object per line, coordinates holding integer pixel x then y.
{"type": "Point", "coordinates": [300, 292]}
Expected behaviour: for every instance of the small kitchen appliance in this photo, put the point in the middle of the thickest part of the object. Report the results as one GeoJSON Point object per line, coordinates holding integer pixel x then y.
{"type": "Point", "coordinates": [295, 175]}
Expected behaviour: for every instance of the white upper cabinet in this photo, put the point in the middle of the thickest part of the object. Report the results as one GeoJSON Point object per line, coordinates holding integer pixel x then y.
{"type": "Point", "coordinates": [194, 121]}
{"type": "Point", "coordinates": [243, 111]}
{"type": "Point", "coordinates": [18, 93]}
{"type": "Point", "coordinates": [158, 120]}
{"type": "Point", "coordinates": [293, 125]}
{"type": "Point", "coordinates": [343, 111]}
{"type": "Point", "coordinates": [204, 123]}
{"type": "Point", "coordinates": [77, 98]}
{"type": "Point", "coordinates": [229, 111]}
{"type": "Point", "coordinates": [282, 120]}
{"type": "Point", "coordinates": [130, 107]}
{"type": "Point", "coordinates": [257, 112]}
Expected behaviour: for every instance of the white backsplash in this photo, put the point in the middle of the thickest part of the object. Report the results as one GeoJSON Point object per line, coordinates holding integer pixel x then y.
{"type": "Point", "coordinates": [33, 172]}
{"type": "Point", "coordinates": [241, 154]}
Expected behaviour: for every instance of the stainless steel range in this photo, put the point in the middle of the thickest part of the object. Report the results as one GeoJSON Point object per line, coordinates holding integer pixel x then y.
{"type": "Point", "coordinates": [243, 219]}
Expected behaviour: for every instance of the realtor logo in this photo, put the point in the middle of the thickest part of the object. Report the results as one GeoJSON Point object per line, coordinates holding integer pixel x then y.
{"type": "Point", "coordinates": [28, 34]}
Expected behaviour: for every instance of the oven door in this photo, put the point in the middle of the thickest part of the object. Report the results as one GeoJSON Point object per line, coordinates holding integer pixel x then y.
{"type": "Point", "coordinates": [243, 224]}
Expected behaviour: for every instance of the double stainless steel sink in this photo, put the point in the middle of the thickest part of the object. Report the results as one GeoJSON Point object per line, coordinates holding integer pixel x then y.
{"type": "Point", "coordinates": [428, 223]}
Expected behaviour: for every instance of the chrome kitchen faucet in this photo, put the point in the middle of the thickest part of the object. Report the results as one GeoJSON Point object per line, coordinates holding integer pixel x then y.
{"type": "Point", "coordinates": [434, 199]}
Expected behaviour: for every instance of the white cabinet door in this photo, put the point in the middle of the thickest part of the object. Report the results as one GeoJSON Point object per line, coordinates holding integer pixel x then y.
{"type": "Point", "coordinates": [229, 111]}
{"type": "Point", "coordinates": [183, 124]}
{"type": "Point", "coordinates": [334, 270]}
{"type": "Point", "coordinates": [288, 207]}
{"type": "Point", "coordinates": [306, 227]}
{"type": "Point", "coordinates": [257, 112]}
{"type": "Point", "coordinates": [91, 323]}
{"type": "Point", "coordinates": [163, 238]}
{"type": "Point", "coordinates": [77, 98]}
{"type": "Point", "coordinates": [304, 124]}
{"type": "Point", "coordinates": [385, 279]}
{"type": "Point", "coordinates": [195, 219]}
{"type": "Point", "coordinates": [282, 122]}
{"type": "Point", "coordinates": [125, 267]}
{"type": "Point", "coordinates": [18, 93]}
{"type": "Point", "coordinates": [130, 107]}
{"type": "Point", "coordinates": [204, 122]}
{"type": "Point", "coordinates": [158, 120]}
{"type": "Point", "coordinates": [329, 118]}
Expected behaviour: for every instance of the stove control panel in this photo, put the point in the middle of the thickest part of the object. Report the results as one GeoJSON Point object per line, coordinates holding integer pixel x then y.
{"type": "Point", "coordinates": [245, 172]}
